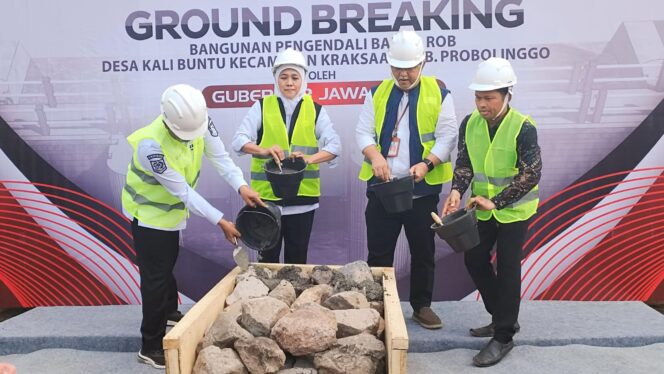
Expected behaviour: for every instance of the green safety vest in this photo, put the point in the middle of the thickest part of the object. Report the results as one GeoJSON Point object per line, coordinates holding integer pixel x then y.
{"type": "Point", "coordinates": [428, 109]}
{"type": "Point", "coordinates": [143, 196]}
{"type": "Point", "coordinates": [303, 140]}
{"type": "Point", "coordinates": [494, 165]}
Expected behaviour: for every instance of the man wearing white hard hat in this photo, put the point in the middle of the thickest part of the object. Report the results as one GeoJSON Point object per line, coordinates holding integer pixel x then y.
{"type": "Point", "coordinates": [289, 124]}
{"type": "Point", "coordinates": [407, 127]}
{"type": "Point", "coordinates": [158, 195]}
{"type": "Point", "coordinates": [499, 158]}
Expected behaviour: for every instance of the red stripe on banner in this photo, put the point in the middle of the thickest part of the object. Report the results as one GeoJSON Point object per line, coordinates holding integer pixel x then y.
{"type": "Point", "coordinates": [561, 227]}
{"type": "Point", "coordinates": [644, 270]}
{"type": "Point", "coordinates": [83, 225]}
{"type": "Point", "coordinates": [62, 243]}
{"type": "Point", "coordinates": [605, 232]}
{"type": "Point", "coordinates": [61, 261]}
{"type": "Point", "coordinates": [590, 270]}
{"type": "Point", "coordinates": [648, 291]}
{"type": "Point", "coordinates": [575, 206]}
{"type": "Point", "coordinates": [50, 197]}
{"type": "Point", "coordinates": [51, 283]}
{"type": "Point", "coordinates": [589, 264]}
{"type": "Point", "coordinates": [21, 280]}
{"type": "Point", "coordinates": [104, 249]}
{"type": "Point", "coordinates": [11, 288]}
{"type": "Point", "coordinates": [121, 228]}
{"type": "Point", "coordinates": [604, 176]}
{"type": "Point", "coordinates": [604, 279]}
{"type": "Point", "coordinates": [648, 271]}
{"type": "Point", "coordinates": [553, 245]}
{"type": "Point", "coordinates": [79, 252]}
{"type": "Point", "coordinates": [25, 298]}
{"type": "Point", "coordinates": [67, 262]}
{"type": "Point", "coordinates": [551, 211]}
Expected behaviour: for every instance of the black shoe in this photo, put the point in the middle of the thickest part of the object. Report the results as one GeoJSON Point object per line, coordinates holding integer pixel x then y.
{"type": "Point", "coordinates": [173, 318]}
{"type": "Point", "coordinates": [492, 353]}
{"type": "Point", "coordinates": [488, 330]}
{"type": "Point", "coordinates": [155, 358]}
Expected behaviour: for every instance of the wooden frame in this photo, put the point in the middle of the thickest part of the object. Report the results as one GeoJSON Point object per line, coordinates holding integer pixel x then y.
{"type": "Point", "coordinates": [180, 343]}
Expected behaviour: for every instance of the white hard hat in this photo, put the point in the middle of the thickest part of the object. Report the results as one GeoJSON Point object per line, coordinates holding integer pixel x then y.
{"type": "Point", "coordinates": [289, 56]}
{"type": "Point", "coordinates": [406, 50]}
{"type": "Point", "coordinates": [493, 74]}
{"type": "Point", "coordinates": [185, 111]}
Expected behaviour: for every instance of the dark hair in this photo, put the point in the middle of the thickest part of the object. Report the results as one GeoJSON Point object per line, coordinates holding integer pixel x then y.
{"type": "Point", "coordinates": [504, 90]}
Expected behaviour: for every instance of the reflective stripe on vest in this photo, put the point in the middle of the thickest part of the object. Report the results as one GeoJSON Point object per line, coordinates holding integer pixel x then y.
{"type": "Point", "coordinates": [303, 140]}
{"type": "Point", "coordinates": [143, 196]}
{"type": "Point", "coordinates": [494, 165]}
{"type": "Point", "coordinates": [428, 109]}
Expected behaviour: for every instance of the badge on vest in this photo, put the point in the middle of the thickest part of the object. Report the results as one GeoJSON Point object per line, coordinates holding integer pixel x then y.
{"type": "Point", "coordinates": [158, 163]}
{"type": "Point", "coordinates": [393, 151]}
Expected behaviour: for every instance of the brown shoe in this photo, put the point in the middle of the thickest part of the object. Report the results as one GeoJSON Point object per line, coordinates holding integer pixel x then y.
{"type": "Point", "coordinates": [427, 318]}
{"type": "Point", "coordinates": [488, 330]}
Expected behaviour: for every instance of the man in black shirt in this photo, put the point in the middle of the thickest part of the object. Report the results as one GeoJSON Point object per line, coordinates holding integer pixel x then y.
{"type": "Point", "coordinates": [499, 157]}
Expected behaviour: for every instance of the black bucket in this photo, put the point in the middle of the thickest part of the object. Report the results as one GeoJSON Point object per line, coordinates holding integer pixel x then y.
{"type": "Point", "coordinates": [396, 195]}
{"type": "Point", "coordinates": [285, 183]}
{"type": "Point", "coordinates": [459, 230]}
{"type": "Point", "coordinates": [260, 227]}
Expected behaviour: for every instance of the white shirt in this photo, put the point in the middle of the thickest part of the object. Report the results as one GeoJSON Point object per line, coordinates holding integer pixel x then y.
{"type": "Point", "coordinates": [177, 185]}
{"type": "Point", "coordinates": [446, 133]}
{"type": "Point", "coordinates": [328, 140]}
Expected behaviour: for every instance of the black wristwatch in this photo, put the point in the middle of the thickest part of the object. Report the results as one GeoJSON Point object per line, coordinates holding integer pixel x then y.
{"type": "Point", "coordinates": [428, 163]}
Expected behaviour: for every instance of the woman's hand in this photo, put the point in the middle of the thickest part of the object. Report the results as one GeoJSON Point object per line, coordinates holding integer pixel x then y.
{"type": "Point", "coordinates": [230, 232]}
{"type": "Point", "coordinates": [298, 154]}
{"type": "Point", "coordinates": [275, 152]}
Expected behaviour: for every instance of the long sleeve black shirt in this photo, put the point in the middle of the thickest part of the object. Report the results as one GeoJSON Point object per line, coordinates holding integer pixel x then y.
{"type": "Point", "coordinates": [529, 164]}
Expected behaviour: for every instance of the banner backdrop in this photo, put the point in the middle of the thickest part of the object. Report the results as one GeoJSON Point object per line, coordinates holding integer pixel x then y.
{"type": "Point", "coordinates": [77, 77]}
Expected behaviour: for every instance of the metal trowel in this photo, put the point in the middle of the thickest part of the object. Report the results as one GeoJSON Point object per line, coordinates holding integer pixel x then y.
{"type": "Point", "coordinates": [240, 256]}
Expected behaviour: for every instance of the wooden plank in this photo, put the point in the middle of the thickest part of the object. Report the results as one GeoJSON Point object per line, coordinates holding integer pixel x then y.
{"type": "Point", "coordinates": [395, 327]}
{"type": "Point", "coordinates": [172, 366]}
{"type": "Point", "coordinates": [184, 337]}
{"type": "Point", "coordinates": [397, 362]}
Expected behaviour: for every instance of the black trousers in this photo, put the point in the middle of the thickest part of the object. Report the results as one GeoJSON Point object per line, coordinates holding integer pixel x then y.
{"type": "Point", "coordinates": [295, 234]}
{"type": "Point", "coordinates": [500, 289]}
{"type": "Point", "coordinates": [383, 230]}
{"type": "Point", "coordinates": [156, 252]}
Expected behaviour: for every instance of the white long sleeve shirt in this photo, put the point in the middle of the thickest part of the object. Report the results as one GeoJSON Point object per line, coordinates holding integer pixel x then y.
{"type": "Point", "coordinates": [176, 184]}
{"type": "Point", "coordinates": [328, 140]}
{"type": "Point", "coordinates": [445, 133]}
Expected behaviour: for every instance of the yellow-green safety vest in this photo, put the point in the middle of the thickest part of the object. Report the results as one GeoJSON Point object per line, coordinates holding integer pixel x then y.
{"type": "Point", "coordinates": [303, 140]}
{"type": "Point", "coordinates": [143, 196]}
{"type": "Point", "coordinates": [428, 109]}
{"type": "Point", "coordinates": [494, 165]}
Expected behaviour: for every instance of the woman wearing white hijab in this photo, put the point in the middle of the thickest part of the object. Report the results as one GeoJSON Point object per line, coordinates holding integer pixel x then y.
{"type": "Point", "coordinates": [289, 124]}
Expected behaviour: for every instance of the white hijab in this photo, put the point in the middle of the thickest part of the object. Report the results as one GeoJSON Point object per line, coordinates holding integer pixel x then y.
{"type": "Point", "coordinates": [290, 104]}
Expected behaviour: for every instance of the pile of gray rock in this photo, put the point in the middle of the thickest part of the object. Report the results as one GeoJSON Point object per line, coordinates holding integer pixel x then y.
{"type": "Point", "coordinates": [291, 322]}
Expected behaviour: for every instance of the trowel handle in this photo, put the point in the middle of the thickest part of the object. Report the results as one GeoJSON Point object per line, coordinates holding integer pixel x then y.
{"type": "Point", "coordinates": [436, 218]}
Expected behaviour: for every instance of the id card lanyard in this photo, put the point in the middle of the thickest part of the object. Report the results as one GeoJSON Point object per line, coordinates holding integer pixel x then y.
{"type": "Point", "coordinates": [394, 144]}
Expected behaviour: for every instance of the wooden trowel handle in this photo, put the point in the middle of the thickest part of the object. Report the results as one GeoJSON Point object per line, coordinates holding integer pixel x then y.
{"type": "Point", "coordinates": [436, 218]}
